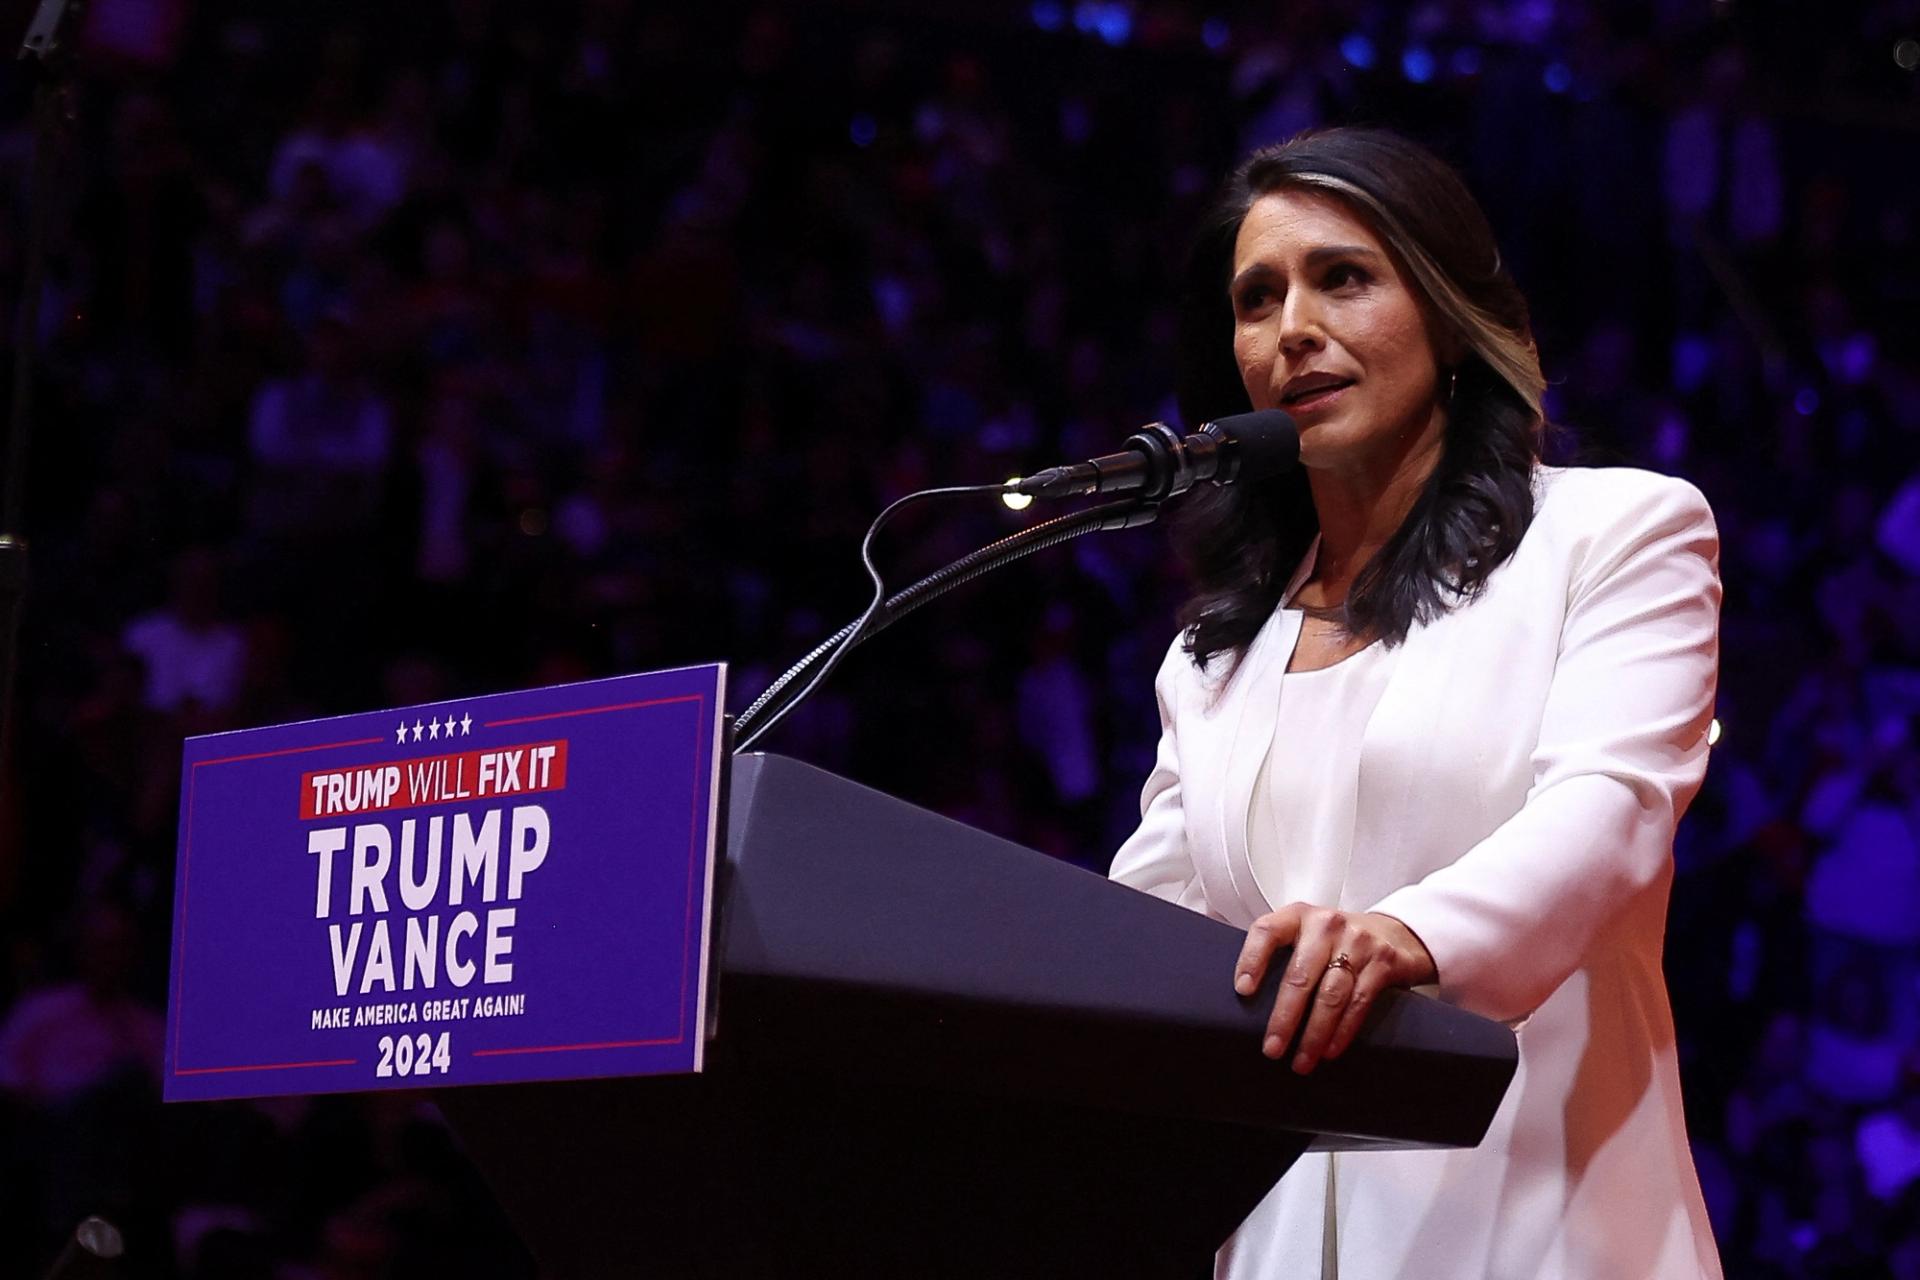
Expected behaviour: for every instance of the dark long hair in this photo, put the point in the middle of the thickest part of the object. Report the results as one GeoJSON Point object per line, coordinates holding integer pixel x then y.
{"type": "Point", "coordinates": [1240, 542]}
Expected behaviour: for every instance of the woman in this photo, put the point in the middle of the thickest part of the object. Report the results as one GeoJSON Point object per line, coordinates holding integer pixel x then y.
{"type": "Point", "coordinates": [1434, 716]}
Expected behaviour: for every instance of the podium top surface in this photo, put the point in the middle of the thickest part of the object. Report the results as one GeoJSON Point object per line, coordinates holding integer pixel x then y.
{"type": "Point", "coordinates": [904, 943]}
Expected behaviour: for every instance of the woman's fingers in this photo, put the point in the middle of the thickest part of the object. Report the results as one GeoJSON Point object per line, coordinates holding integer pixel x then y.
{"type": "Point", "coordinates": [1319, 929]}
{"type": "Point", "coordinates": [1327, 1002]}
{"type": "Point", "coordinates": [1268, 934]}
{"type": "Point", "coordinates": [1372, 980]}
{"type": "Point", "coordinates": [1333, 996]}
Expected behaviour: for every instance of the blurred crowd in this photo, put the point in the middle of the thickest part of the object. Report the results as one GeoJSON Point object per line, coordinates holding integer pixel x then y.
{"type": "Point", "coordinates": [393, 353]}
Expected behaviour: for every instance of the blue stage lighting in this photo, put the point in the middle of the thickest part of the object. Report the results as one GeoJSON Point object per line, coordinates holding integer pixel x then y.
{"type": "Point", "coordinates": [1116, 25]}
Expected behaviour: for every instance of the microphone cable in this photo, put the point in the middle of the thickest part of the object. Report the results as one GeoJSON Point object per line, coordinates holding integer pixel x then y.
{"type": "Point", "coordinates": [747, 729]}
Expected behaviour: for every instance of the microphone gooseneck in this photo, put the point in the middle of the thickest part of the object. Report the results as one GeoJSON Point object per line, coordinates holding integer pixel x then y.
{"type": "Point", "coordinates": [1158, 463]}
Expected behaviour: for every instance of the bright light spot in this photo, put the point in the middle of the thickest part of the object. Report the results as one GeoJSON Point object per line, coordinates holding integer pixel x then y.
{"type": "Point", "coordinates": [1113, 23]}
{"type": "Point", "coordinates": [1213, 34]}
{"type": "Point", "coordinates": [1016, 501]}
{"type": "Point", "coordinates": [1557, 78]}
{"type": "Point", "coordinates": [1049, 15]}
{"type": "Point", "coordinates": [1417, 63]}
{"type": "Point", "coordinates": [1713, 732]}
{"type": "Point", "coordinates": [863, 131]}
{"type": "Point", "coordinates": [1358, 50]}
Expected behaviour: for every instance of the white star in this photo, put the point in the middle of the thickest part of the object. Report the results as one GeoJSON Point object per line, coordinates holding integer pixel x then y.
{"type": "Point", "coordinates": [449, 726]}
{"type": "Point", "coordinates": [416, 730]}
{"type": "Point", "coordinates": [400, 734]}
{"type": "Point", "coordinates": [466, 724]}
{"type": "Point", "coordinates": [433, 728]}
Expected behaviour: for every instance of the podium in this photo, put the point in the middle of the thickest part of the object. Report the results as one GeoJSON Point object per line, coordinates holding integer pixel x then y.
{"type": "Point", "coordinates": [937, 1054]}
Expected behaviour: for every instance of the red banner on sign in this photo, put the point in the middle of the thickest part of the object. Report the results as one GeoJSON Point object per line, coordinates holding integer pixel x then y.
{"type": "Point", "coordinates": [440, 779]}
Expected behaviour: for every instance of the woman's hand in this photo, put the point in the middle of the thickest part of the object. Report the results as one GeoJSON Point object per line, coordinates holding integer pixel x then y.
{"type": "Point", "coordinates": [1381, 951]}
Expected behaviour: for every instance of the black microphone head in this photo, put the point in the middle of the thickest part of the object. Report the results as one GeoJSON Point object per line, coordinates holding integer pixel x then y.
{"type": "Point", "coordinates": [1265, 443]}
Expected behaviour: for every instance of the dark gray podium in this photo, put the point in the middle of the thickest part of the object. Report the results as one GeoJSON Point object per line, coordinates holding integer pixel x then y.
{"type": "Point", "coordinates": [938, 1054]}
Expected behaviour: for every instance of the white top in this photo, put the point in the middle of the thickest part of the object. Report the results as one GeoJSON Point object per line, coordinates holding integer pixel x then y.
{"type": "Point", "coordinates": [1300, 822]}
{"type": "Point", "coordinates": [1299, 846]}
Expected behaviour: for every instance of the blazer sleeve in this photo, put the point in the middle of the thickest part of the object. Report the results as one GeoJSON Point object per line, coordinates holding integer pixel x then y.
{"type": "Point", "coordinates": [1621, 753]}
{"type": "Point", "coordinates": [1155, 859]}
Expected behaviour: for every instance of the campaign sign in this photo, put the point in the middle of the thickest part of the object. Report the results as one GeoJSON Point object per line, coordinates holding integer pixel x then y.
{"type": "Point", "coordinates": [500, 888]}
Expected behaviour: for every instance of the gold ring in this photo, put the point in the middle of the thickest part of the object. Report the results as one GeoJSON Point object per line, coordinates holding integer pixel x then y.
{"type": "Point", "coordinates": [1340, 962]}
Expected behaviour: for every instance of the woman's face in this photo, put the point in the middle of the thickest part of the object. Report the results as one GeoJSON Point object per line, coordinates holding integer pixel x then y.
{"type": "Point", "coordinates": [1327, 328]}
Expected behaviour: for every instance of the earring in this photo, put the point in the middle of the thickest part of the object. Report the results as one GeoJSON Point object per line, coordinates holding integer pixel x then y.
{"type": "Point", "coordinates": [1453, 384]}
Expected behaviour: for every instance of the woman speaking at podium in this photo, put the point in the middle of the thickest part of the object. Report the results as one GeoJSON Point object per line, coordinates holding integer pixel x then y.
{"type": "Point", "coordinates": [1435, 712]}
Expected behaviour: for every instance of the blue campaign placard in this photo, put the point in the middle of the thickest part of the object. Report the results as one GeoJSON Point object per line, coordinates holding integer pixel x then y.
{"type": "Point", "coordinates": [502, 888]}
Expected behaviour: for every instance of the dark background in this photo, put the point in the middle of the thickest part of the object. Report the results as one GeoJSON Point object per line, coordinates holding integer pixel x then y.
{"type": "Point", "coordinates": [399, 351]}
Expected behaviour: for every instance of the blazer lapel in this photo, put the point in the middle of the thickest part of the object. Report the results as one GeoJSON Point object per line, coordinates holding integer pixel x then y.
{"type": "Point", "coordinates": [1249, 717]}
{"type": "Point", "coordinates": [1250, 738]}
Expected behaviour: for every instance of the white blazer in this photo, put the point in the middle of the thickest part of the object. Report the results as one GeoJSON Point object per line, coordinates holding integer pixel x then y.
{"type": "Point", "coordinates": [1519, 784]}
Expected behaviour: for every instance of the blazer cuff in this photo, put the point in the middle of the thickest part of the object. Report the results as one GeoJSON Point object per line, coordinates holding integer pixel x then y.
{"type": "Point", "coordinates": [1447, 944]}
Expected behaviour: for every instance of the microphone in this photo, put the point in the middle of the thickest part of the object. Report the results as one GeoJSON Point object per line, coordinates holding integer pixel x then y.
{"type": "Point", "coordinates": [1158, 464]}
